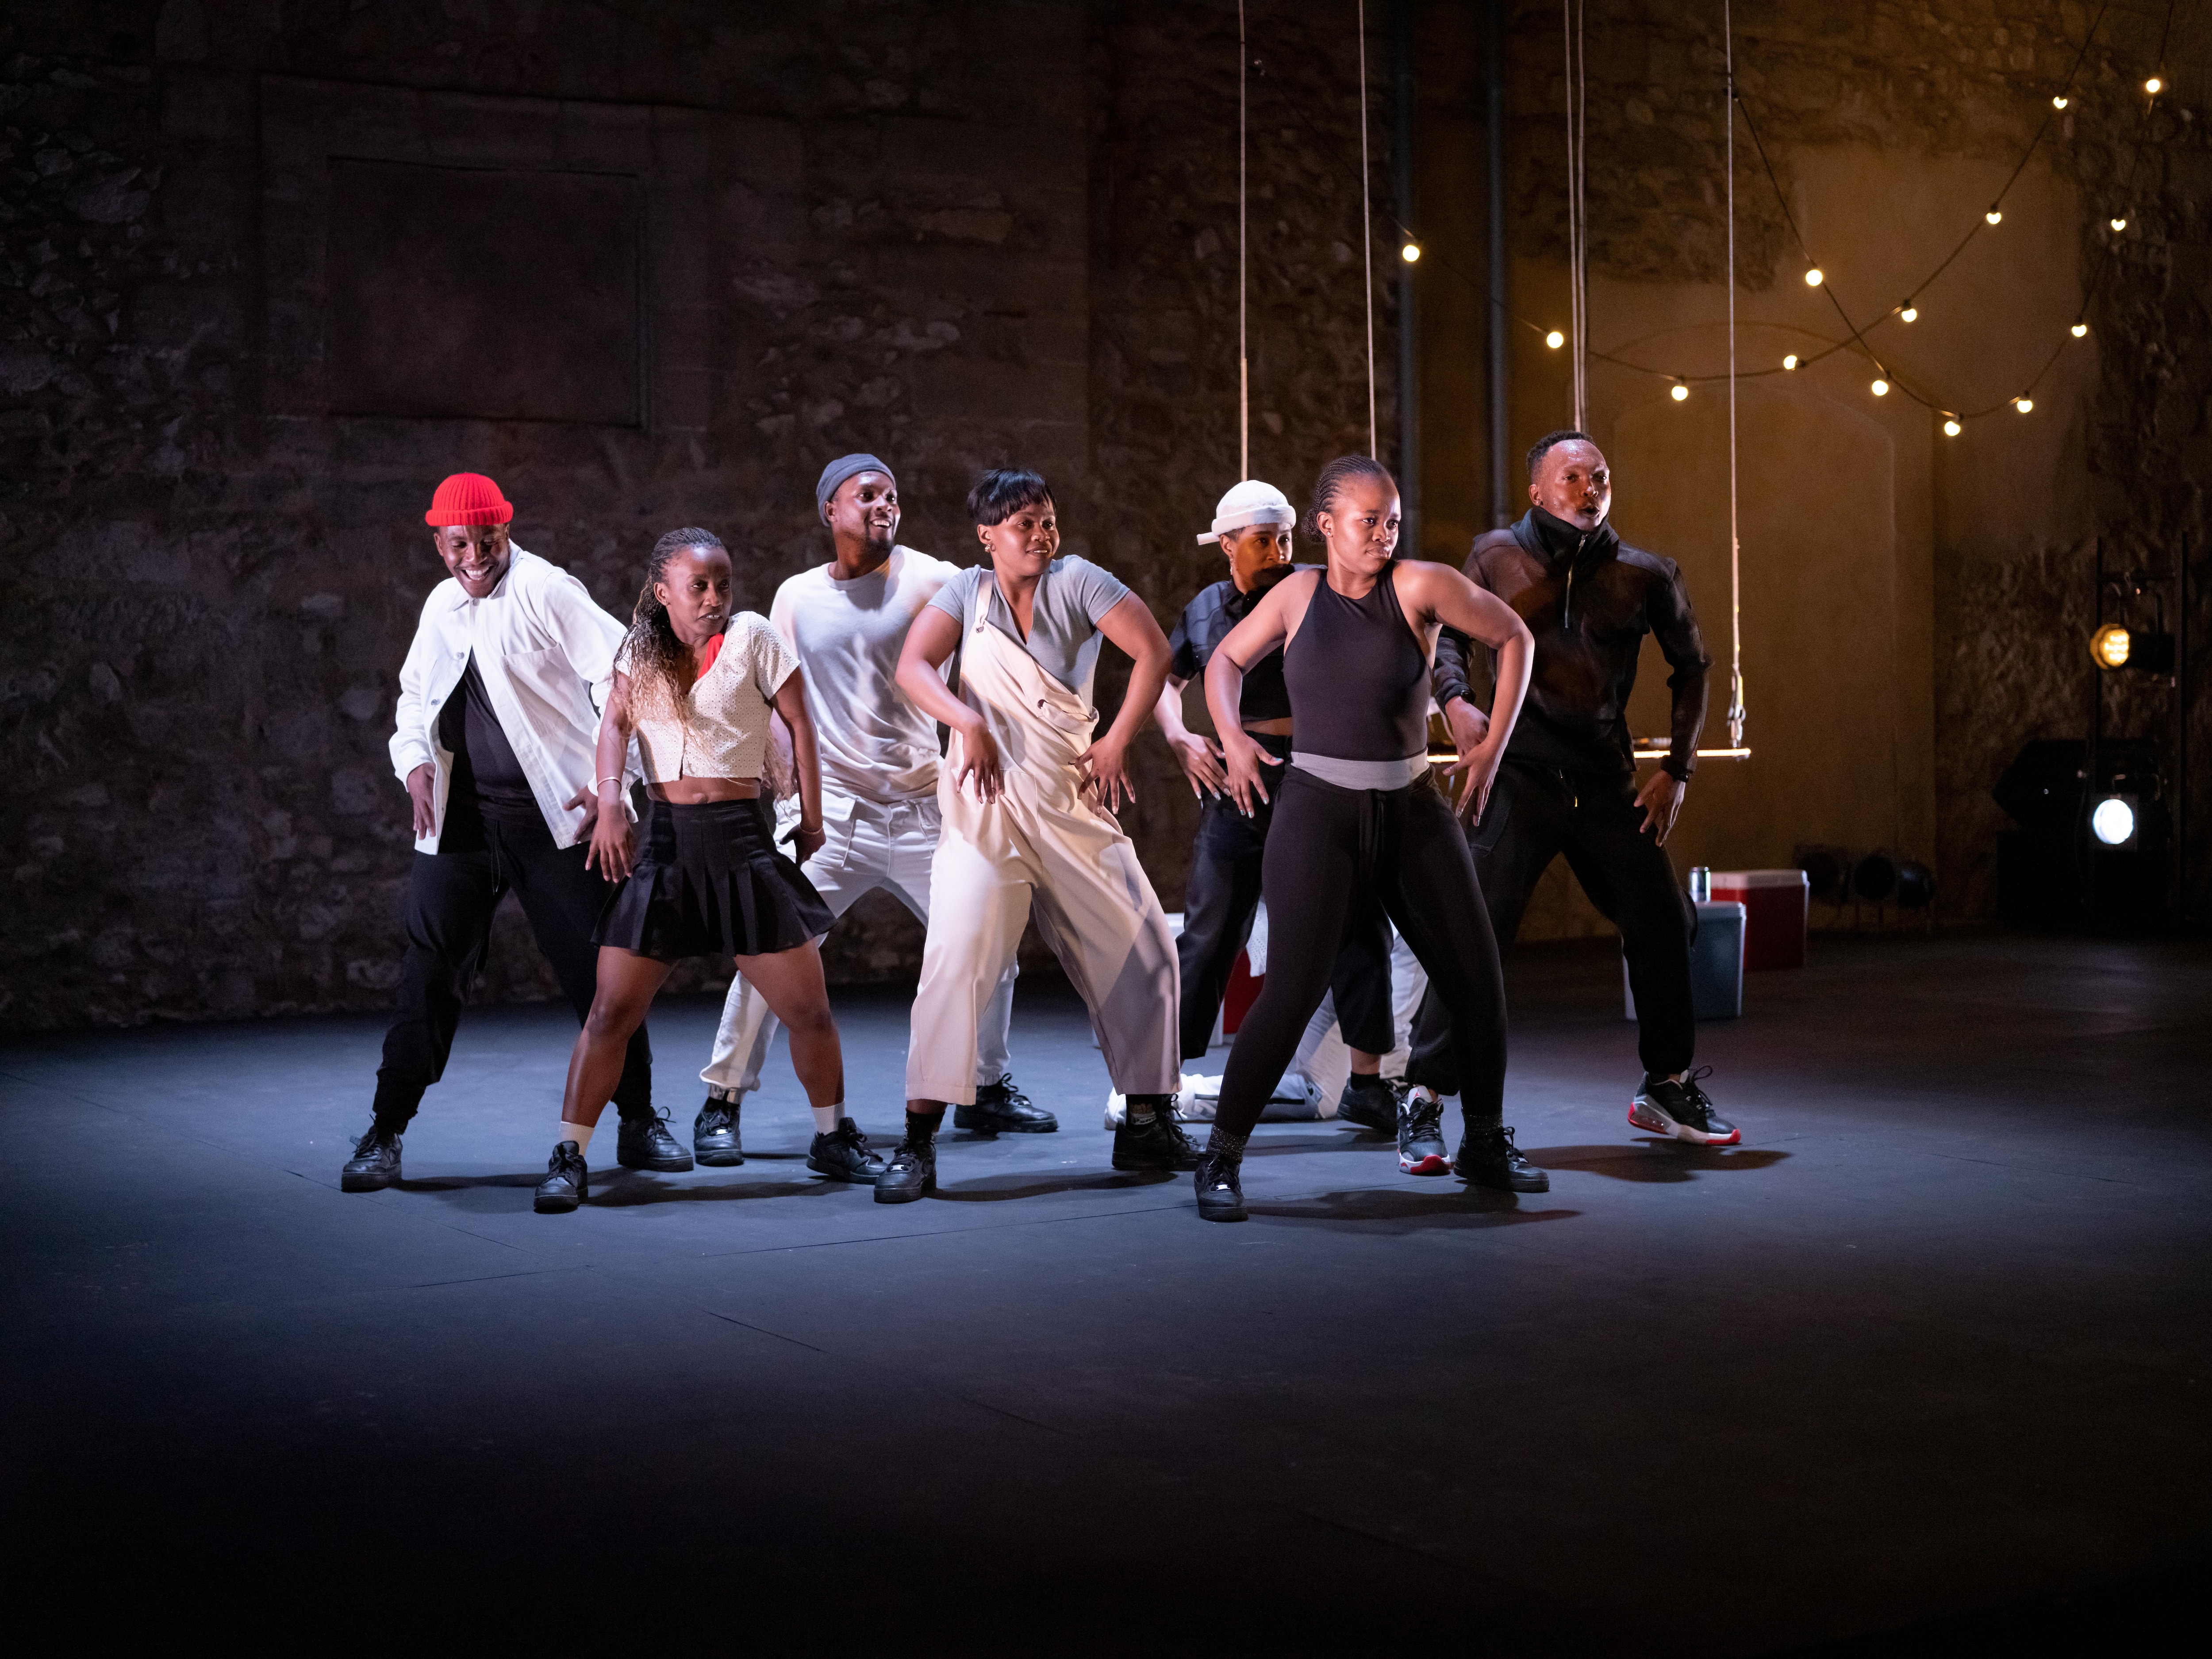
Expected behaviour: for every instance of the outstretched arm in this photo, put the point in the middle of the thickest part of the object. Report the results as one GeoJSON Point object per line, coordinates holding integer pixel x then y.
{"type": "Point", "coordinates": [1129, 625]}
{"type": "Point", "coordinates": [930, 641]}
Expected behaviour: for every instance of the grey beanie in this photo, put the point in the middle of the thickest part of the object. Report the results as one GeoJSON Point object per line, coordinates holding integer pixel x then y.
{"type": "Point", "coordinates": [842, 468]}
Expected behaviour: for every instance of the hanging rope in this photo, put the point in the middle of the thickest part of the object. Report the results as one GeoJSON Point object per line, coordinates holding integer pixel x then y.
{"type": "Point", "coordinates": [1367, 230]}
{"type": "Point", "coordinates": [1577, 222]}
{"type": "Point", "coordinates": [1735, 547]}
{"type": "Point", "coordinates": [1243, 284]}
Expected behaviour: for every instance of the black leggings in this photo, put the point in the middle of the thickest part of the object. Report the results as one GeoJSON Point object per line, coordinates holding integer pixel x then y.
{"type": "Point", "coordinates": [1327, 850]}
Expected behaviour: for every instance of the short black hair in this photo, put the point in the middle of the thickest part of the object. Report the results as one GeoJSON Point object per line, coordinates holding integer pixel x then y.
{"type": "Point", "coordinates": [1550, 442]}
{"type": "Point", "coordinates": [1006, 490]}
{"type": "Point", "coordinates": [1334, 477]}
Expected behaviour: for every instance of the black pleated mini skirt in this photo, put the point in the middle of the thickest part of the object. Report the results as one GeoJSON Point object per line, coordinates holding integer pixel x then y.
{"type": "Point", "coordinates": [709, 881]}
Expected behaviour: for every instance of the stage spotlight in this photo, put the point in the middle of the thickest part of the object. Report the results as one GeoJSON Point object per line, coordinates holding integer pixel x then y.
{"type": "Point", "coordinates": [1916, 885]}
{"type": "Point", "coordinates": [1873, 879]}
{"type": "Point", "coordinates": [1555, 339]}
{"type": "Point", "coordinates": [2118, 645]}
{"type": "Point", "coordinates": [2112, 821]}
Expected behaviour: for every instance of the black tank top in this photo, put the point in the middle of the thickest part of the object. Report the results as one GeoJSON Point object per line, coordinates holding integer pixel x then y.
{"type": "Point", "coordinates": [1357, 679]}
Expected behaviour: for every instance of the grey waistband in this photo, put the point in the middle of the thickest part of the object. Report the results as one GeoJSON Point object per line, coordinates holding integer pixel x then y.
{"type": "Point", "coordinates": [1361, 775]}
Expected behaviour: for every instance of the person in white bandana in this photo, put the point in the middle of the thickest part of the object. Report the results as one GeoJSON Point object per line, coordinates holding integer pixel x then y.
{"type": "Point", "coordinates": [846, 621]}
{"type": "Point", "coordinates": [1028, 797]}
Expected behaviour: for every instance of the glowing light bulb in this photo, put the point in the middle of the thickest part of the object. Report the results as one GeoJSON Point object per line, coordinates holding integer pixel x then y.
{"type": "Point", "coordinates": [1410, 252]}
{"type": "Point", "coordinates": [2023, 404]}
{"type": "Point", "coordinates": [1812, 277]}
{"type": "Point", "coordinates": [1909, 314]}
{"type": "Point", "coordinates": [1882, 388]}
{"type": "Point", "coordinates": [1951, 429]}
{"type": "Point", "coordinates": [2058, 102]}
{"type": "Point", "coordinates": [1790, 361]}
{"type": "Point", "coordinates": [1993, 216]}
{"type": "Point", "coordinates": [2079, 330]}
{"type": "Point", "coordinates": [2152, 86]}
{"type": "Point", "coordinates": [1680, 393]}
{"type": "Point", "coordinates": [1555, 339]}
{"type": "Point", "coordinates": [2120, 223]}
{"type": "Point", "coordinates": [2111, 645]}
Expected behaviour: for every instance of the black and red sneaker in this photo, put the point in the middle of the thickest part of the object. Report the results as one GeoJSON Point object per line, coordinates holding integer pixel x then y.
{"type": "Point", "coordinates": [1682, 1111]}
{"type": "Point", "coordinates": [1420, 1133]}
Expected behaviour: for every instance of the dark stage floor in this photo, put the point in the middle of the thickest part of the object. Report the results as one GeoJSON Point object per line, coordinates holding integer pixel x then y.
{"type": "Point", "coordinates": [1933, 1340]}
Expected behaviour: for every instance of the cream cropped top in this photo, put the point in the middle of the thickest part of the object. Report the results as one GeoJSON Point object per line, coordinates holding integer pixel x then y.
{"type": "Point", "coordinates": [720, 730]}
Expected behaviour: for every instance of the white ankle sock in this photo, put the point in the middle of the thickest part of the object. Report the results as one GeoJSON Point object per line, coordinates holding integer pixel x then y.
{"type": "Point", "coordinates": [579, 1133]}
{"type": "Point", "coordinates": [825, 1117]}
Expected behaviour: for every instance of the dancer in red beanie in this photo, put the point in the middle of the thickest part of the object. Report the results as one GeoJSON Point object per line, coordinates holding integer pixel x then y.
{"type": "Point", "coordinates": [497, 722]}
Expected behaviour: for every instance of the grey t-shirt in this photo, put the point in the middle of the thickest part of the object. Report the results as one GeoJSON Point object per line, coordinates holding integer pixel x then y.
{"type": "Point", "coordinates": [1071, 598]}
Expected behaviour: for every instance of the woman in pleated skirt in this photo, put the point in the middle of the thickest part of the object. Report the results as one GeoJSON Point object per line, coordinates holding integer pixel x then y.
{"type": "Point", "coordinates": [696, 686]}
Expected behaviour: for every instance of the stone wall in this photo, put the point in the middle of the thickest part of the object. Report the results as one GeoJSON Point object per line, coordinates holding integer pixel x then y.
{"type": "Point", "coordinates": [957, 234]}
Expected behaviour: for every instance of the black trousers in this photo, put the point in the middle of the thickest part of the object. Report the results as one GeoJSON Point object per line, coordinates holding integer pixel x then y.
{"type": "Point", "coordinates": [1534, 815]}
{"type": "Point", "coordinates": [1330, 852]}
{"type": "Point", "coordinates": [1219, 903]}
{"type": "Point", "coordinates": [451, 897]}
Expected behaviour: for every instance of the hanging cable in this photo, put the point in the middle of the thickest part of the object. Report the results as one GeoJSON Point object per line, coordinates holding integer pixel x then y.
{"type": "Point", "coordinates": [1243, 282]}
{"type": "Point", "coordinates": [1367, 230]}
{"type": "Point", "coordinates": [1578, 222]}
{"type": "Point", "coordinates": [1735, 546]}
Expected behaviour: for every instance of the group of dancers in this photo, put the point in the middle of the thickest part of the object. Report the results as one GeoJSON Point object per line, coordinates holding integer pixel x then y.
{"type": "Point", "coordinates": [527, 715]}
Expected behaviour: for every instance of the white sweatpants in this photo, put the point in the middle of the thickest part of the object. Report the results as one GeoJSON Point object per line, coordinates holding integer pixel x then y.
{"type": "Point", "coordinates": [1041, 849]}
{"type": "Point", "coordinates": [868, 846]}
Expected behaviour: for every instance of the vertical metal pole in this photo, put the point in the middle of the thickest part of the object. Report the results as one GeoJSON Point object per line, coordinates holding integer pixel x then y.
{"type": "Point", "coordinates": [1409, 336]}
{"type": "Point", "coordinates": [1501, 442]}
{"type": "Point", "coordinates": [2181, 778]}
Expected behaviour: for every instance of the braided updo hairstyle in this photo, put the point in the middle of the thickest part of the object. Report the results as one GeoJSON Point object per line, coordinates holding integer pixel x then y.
{"type": "Point", "coordinates": [657, 662]}
{"type": "Point", "coordinates": [1330, 485]}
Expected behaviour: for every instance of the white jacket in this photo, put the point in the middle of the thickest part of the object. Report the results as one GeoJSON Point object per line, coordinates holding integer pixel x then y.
{"type": "Point", "coordinates": [546, 653]}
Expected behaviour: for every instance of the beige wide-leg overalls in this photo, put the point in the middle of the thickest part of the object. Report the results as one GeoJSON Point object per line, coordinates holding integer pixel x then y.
{"type": "Point", "coordinates": [1042, 846]}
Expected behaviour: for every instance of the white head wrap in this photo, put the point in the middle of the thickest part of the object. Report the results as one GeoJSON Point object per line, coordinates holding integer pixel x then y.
{"type": "Point", "coordinates": [1250, 503]}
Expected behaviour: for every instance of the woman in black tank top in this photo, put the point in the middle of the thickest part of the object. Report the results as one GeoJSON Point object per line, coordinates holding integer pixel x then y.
{"type": "Point", "coordinates": [1356, 814]}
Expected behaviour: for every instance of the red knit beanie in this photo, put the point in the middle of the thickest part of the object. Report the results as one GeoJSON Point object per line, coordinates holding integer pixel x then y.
{"type": "Point", "coordinates": [469, 498]}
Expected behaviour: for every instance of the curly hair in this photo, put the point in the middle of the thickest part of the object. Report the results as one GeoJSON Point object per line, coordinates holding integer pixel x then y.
{"type": "Point", "coordinates": [658, 663]}
{"type": "Point", "coordinates": [1334, 477]}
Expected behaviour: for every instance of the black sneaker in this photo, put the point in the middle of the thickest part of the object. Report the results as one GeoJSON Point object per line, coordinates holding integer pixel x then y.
{"type": "Point", "coordinates": [911, 1174]}
{"type": "Point", "coordinates": [374, 1164]}
{"type": "Point", "coordinates": [644, 1143]}
{"type": "Point", "coordinates": [1370, 1101]}
{"type": "Point", "coordinates": [1420, 1134]}
{"type": "Point", "coordinates": [1680, 1110]}
{"type": "Point", "coordinates": [1158, 1144]}
{"type": "Point", "coordinates": [1001, 1108]}
{"type": "Point", "coordinates": [715, 1135]}
{"type": "Point", "coordinates": [567, 1184]}
{"type": "Point", "coordinates": [1220, 1185]}
{"type": "Point", "coordinates": [843, 1155]}
{"type": "Point", "coordinates": [1488, 1158]}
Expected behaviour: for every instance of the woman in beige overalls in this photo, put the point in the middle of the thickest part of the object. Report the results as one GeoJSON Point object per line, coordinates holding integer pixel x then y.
{"type": "Point", "coordinates": [1026, 798]}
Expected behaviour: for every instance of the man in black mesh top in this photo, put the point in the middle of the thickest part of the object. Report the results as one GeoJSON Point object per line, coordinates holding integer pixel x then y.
{"type": "Point", "coordinates": [1568, 781]}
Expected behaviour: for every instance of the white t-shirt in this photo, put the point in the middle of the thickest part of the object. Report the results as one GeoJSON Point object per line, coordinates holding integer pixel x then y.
{"type": "Point", "coordinates": [876, 745]}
